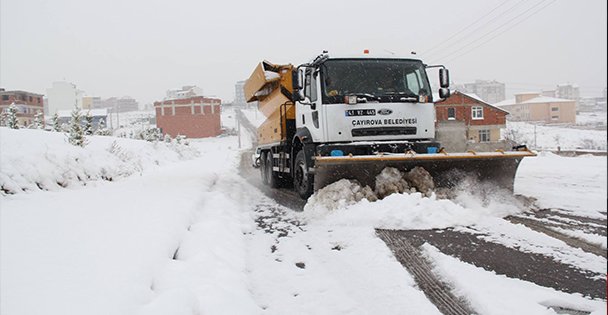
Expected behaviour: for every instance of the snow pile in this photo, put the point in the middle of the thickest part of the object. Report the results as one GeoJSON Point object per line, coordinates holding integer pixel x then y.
{"type": "Point", "coordinates": [401, 211]}
{"type": "Point", "coordinates": [341, 194]}
{"type": "Point", "coordinates": [36, 159]}
{"type": "Point", "coordinates": [408, 201]}
{"type": "Point", "coordinates": [420, 179]}
{"type": "Point", "coordinates": [390, 181]}
{"type": "Point", "coordinates": [346, 192]}
{"type": "Point", "coordinates": [271, 76]}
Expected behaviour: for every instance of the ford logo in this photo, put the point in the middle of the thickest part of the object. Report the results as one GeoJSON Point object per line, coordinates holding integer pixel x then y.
{"type": "Point", "coordinates": [385, 111]}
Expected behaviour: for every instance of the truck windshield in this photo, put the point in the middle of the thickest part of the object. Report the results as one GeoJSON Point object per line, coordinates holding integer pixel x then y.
{"type": "Point", "coordinates": [382, 80]}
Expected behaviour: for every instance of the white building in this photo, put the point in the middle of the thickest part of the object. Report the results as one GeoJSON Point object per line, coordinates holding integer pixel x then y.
{"type": "Point", "coordinates": [185, 92]}
{"type": "Point", "coordinates": [568, 91]}
{"type": "Point", "coordinates": [489, 91]}
{"type": "Point", "coordinates": [239, 94]}
{"type": "Point", "coordinates": [63, 96]}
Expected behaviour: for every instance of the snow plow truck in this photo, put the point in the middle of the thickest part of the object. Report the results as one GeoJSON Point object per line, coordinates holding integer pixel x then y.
{"type": "Point", "coordinates": [352, 116]}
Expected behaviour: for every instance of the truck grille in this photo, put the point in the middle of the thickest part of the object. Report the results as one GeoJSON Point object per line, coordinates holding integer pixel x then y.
{"type": "Point", "coordinates": [383, 131]}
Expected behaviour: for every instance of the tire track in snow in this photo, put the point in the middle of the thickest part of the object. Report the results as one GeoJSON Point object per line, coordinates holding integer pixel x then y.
{"type": "Point", "coordinates": [571, 241]}
{"type": "Point", "coordinates": [411, 258]}
{"type": "Point", "coordinates": [537, 268]}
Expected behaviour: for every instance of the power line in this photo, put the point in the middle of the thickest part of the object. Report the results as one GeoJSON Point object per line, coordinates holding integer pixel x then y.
{"type": "Point", "coordinates": [472, 32]}
{"type": "Point", "coordinates": [498, 28]}
{"type": "Point", "coordinates": [464, 29]}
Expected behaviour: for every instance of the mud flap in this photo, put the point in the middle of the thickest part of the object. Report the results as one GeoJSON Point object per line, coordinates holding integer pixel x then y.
{"type": "Point", "coordinates": [447, 169]}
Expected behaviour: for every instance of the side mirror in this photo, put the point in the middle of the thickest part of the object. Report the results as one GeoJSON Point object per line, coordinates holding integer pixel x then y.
{"type": "Point", "coordinates": [296, 79]}
{"type": "Point", "coordinates": [444, 93]}
{"type": "Point", "coordinates": [444, 78]}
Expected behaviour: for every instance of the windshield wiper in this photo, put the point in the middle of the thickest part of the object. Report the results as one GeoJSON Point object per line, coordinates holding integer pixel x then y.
{"type": "Point", "coordinates": [400, 96]}
{"type": "Point", "coordinates": [365, 96]}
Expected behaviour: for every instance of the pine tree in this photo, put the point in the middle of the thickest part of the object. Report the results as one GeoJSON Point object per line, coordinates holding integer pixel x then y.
{"type": "Point", "coordinates": [55, 120]}
{"type": "Point", "coordinates": [167, 138]}
{"type": "Point", "coordinates": [88, 124]}
{"type": "Point", "coordinates": [101, 128]}
{"type": "Point", "coordinates": [180, 139]}
{"type": "Point", "coordinates": [38, 120]}
{"type": "Point", "coordinates": [3, 115]}
{"type": "Point", "coordinates": [11, 119]}
{"type": "Point", "coordinates": [76, 134]}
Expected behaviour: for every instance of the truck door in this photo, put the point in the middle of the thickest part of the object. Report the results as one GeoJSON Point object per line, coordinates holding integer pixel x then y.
{"type": "Point", "coordinates": [307, 113]}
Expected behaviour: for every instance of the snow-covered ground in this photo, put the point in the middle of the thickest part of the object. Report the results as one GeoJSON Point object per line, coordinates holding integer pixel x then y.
{"type": "Point", "coordinates": [182, 233]}
{"type": "Point", "coordinates": [547, 137]}
{"type": "Point", "coordinates": [592, 119]}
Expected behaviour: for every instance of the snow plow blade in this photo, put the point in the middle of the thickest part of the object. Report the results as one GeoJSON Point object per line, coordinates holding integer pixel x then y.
{"type": "Point", "coordinates": [447, 169]}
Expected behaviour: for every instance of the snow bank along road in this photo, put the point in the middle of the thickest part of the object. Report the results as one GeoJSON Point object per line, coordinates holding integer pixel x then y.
{"type": "Point", "coordinates": [194, 237]}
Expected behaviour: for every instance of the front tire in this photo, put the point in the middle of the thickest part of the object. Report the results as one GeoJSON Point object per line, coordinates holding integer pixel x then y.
{"type": "Point", "coordinates": [302, 180]}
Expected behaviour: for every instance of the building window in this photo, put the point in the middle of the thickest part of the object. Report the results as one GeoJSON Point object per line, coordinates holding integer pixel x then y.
{"type": "Point", "coordinates": [451, 113]}
{"type": "Point", "coordinates": [484, 135]}
{"type": "Point", "coordinates": [477, 112]}
{"type": "Point", "coordinates": [554, 117]}
{"type": "Point", "coordinates": [5, 97]}
{"type": "Point", "coordinates": [554, 109]}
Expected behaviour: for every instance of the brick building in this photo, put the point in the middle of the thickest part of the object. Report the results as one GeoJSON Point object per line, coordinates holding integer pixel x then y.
{"type": "Point", "coordinates": [464, 119]}
{"type": "Point", "coordinates": [193, 117]}
{"type": "Point", "coordinates": [28, 105]}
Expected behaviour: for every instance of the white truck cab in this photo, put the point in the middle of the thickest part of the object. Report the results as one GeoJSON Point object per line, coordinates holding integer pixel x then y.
{"type": "Point", "coordinates": [365, 98]}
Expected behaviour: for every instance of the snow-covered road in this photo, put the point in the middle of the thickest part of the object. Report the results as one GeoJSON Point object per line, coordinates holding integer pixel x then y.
{"type": "Point", "coordinates": [186, 234]}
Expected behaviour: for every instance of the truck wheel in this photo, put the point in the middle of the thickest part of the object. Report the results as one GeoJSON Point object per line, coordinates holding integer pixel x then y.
{"type": "Point", "coordinates": [272, 178]}
{"type": "Point", "coordinates": [263, 171]}
{"type": "Point", "coordinates": [302, 180]}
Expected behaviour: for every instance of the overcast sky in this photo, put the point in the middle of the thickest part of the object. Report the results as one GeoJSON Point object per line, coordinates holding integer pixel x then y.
{"type": "Point", "coordinates": [141, 48]}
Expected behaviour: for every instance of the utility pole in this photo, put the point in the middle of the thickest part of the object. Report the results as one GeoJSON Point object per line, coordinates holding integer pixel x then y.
{"type": "Point", "coordinates": [117, 117]}
{"type": "Point", "coordinates": [238, 127]}
{"type": "Point", "coordinates": [535, 147]}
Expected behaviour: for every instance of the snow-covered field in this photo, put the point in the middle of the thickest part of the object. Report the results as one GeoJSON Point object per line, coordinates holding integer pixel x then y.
{"type": "Point", "coordinates": [546, 137]}
{"type": "Point", "coordinates": [178, 231]}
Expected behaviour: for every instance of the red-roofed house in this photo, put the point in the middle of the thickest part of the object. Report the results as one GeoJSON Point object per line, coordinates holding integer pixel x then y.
{"type": "Point", "coordinates": [463, 119]}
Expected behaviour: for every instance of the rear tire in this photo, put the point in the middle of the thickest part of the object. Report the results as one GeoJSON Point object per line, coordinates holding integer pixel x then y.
{"type": "Point", "coordinates": [272, 177]}
{"type": "Point", "coordinates": [302, 180]}
{"type": "Point", "coordinates": [263, 171]}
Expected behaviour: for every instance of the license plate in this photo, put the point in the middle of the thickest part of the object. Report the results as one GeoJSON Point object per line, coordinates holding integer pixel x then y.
{"type": "Point", "coordinates": [360, 112]}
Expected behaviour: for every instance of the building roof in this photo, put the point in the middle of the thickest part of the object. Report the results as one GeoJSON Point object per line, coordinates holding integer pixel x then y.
{"type": "Point", "coordinates": [547, 99]}
{"type": "Point", "coordinates": [505, 102]}
{"type": "Point", "coordinates": [478, 99]}
{"type": "Point", "coordinates": [539, 99]}
{"type": "Point", "coordinates": [20, 91]}
{"type": "Point", "coordinates": [473, 95]}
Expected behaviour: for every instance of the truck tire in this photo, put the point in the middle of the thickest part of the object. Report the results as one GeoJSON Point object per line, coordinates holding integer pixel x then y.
{"type": "Point", "coordinates": [263, 171]}
{"type": "Point", "coordinates": [302, 180]}
{"type": "Point", "coordinates": [272, 177]}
